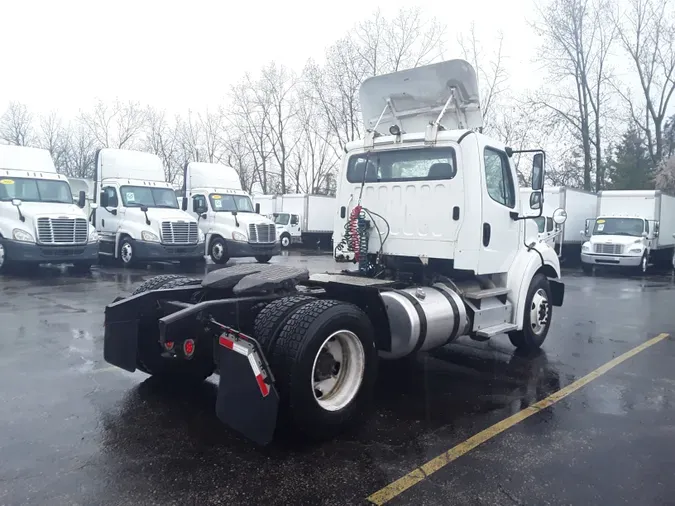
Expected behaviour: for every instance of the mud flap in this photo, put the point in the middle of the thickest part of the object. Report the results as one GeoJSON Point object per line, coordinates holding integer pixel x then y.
{"type": "Point", "coordinates": [557, 292]}
{"type": "Point", "coordinates": [119, 344]}
{"type": "Point", "coordinates": [247, 400]}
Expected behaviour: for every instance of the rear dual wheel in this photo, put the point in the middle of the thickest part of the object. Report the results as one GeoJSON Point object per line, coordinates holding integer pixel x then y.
{"type": "Point", "coordinates": [323, 355]}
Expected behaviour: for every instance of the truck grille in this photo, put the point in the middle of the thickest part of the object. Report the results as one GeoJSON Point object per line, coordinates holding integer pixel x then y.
{"type": "Point", "coordinates": [179, 232]}
{"type": "Point", "coordinates": [609, 249]}
{"type": "Point", "coordinates": [262, 233]}
{"type": "Point", "coordinates": [62, 230]}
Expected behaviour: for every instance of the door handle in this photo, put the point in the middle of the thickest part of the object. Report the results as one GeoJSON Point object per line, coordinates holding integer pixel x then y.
{"type": "Point", "coordinates": [486, 234]}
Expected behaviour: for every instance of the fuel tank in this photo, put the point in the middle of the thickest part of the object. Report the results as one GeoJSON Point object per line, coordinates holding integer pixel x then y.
{"type": "Point", "coordinates": [423, 318]}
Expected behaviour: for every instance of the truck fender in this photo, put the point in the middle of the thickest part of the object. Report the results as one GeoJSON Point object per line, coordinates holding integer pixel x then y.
{"type": "Point", "coordinates": [528, 263]}
{"type": "Point", "coordinates": [118, 237]}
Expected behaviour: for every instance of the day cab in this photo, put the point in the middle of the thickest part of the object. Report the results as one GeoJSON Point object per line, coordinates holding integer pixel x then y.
{"type": "Point", "coordinates": [39, 220]}
{"type": "Point", "coordinates": [138, 217]}
{"type": "Point", "coordinates": [226, 216]}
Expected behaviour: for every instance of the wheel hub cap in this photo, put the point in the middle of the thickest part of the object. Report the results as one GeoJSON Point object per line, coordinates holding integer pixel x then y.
{"type": "Point", "coordinates": [539, 312]}
{"type": "Point", "coordinates": [217, 251]}
{"type": "Point", "coordinates": [2, 255]}
{"type": "Point", "coordinates": [127, 253]}
{"type": "Point", "coordinates": [338, 370]}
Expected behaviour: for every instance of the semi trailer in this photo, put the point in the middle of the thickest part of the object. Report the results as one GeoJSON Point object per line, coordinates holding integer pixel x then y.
{"type": "Point", "coordinates": [428, 223]}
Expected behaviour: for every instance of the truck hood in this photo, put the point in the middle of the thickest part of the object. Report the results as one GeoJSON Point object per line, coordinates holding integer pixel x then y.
{"type": "Point", "coordinates": [32, 210]}
{"type": "Point", "coordinates": [162, 214]}
{"type": "Point", "coordinates": [250, 219]}
{"type": "Point", "coordinates": [623, 240]}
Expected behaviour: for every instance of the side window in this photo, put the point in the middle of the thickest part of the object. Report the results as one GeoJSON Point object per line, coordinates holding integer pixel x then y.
{"type": "Point", "coordinates": [110, 196]}
{"type": "Point", "coordinates": [498, 178]}
{"type": "Point", "coordinates": [549, 224]}
{"type": "Point", "coordinates": [295, 219]}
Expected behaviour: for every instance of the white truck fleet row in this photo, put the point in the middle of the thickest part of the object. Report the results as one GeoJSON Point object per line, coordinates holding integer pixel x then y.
{"type": "Point", "coordinates": [299, 218]}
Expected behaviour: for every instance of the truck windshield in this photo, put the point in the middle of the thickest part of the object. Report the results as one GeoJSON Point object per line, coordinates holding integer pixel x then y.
{"type": "Point", "coordinates": [282, 219]}
{"type": "Point", "coordinates": [136, 196]}
{"type": "Point", "coordinates": [619, 226]}
{"type": "Point", "coordinates": [240, 203]}
{"type": "Point", "coordinates": [422, 164]}
{"type": "Point", "coordinates": [35, 190]}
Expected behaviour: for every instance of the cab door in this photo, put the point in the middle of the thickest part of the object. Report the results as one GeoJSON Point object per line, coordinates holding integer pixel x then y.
{"type": "Point", "coordinates": [500, 233]}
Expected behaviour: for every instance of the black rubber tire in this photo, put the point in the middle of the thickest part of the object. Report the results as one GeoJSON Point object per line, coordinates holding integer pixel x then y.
{"type": "Point", "coordinates": [525, 339]}
{"type": "Point", "coordinates": [132, 262]}
{"type": "Point", "coordinates": [225, 258]}
{"type": "Point", "coordinates": [273, 316]}
{"type": "Point", "coordinates": [157, 282]}
{"type": "Point", "coordinates": [263, 259]}
{"type": "Point", "coordinates": [293, 358]}
{"type": "Point", "coordinates": [587, 269]}
{"type": "Point", "coordinates": [638, 271]}
{"type": "Point", "coordinates": [149, 353]}
{"type": "Point", "coordinates": [287, 237]}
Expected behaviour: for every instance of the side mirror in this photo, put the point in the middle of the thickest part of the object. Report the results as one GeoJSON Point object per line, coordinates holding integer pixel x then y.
{"type": "Point", "coordinates": [657, 228]}
{"type": "Point", "coordinates": [104, 199]}
{"type": "Point", "coordinates": [93, 205]}
{"type": "Point", "coordinates": [183, 204]}
{"type": "Point", "coordinates": [81, 199]}
{"type": "Point", "coordinates": [538, 172]}
{"type": "Point", "coordinates": [559, 216]}
{"type": "Point", "coordinates": [257, 208]}
{"type": "Point", "coordinates": [203, 216]}
{"type": "Point", "coordinates": [535, 200]}
{"type": "Point", "coordinates": [587, 227]}
{"type": "Point", "coordinates": [16, 202]}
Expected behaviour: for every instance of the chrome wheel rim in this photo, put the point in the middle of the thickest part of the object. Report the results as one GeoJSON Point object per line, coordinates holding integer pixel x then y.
{"type": "Point", "coordinates": [217, 251]}
{"type": "Point", "coordinates": [539, 312]}
{"type": "Point", "coordinates": [2, 255]}
{"type": "Point", "coordinates": [126, 252]}
{"type": "Point", "coordinates": [285, 242]}
{"type": "Point", "coordinates": [643, 264]}
{"type": "Point", "coordinates": [338, 370]}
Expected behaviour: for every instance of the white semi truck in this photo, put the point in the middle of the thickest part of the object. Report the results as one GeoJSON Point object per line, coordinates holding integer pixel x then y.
{"type": "Point", "coordinates": [428, 213]}
{"type": "Point", "coordinates": [631, 228]}
{"type": "Point", "coordinates": [579, 206]}
{"type": "Point", "coordinates": [40, 222]}
{"type": "Point", "coordinates": [300, 218]}
{"type": "Point", "coordinates": [138, 217]}
{"type": "Point", "coordinates": [225, 213]}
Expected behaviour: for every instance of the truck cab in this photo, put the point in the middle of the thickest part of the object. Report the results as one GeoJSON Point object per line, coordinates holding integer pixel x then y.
{"type": "Point", "coordinates": [138, 217]}
{"type": "Point", "coordinates": [225, 214]}
{"type": "Point", "coordinates": [288, 228]}
{"type": "Point", "coordinates": [40, 221]}
{"type": "Point", "coordinates": [616, 240]}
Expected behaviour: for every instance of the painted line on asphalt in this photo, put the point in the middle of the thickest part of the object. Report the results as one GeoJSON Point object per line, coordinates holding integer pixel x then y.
{"type": "Point", "coordinates": [414, 477]}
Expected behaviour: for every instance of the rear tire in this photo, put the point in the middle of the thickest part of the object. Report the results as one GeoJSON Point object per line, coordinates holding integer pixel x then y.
{"type": "Point", "coordinates": [271, 319]}
{"type": "Point", "coordinates": [304, 358]}
{"type": "Point", "coordinates": [150, 359]}
{"type": "Point", "coordinates": [263, 259]}
{"type": "Point", "coordinates": [218, 251]}
{"type": "Point", "coordinates": [285, 240]}
{"type": "Point", "coordinates": [537, 319]}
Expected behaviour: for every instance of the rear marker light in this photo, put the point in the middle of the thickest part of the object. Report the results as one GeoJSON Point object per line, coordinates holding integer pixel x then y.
{"type": "Point", "coordinates": [189, 347]}
{"type": "Point", "coordinates": [168, 345]}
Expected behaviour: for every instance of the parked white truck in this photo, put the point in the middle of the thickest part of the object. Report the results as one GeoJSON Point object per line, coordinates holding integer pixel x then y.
{"type": "Point", "coordinates": [138, 217]}
{"type": "Point", "coordinates": [300, 218]}
{"type": "Point", "coordinates": [632, 228]}
{"type": "Point", "coordinates": [579, 206]}
{"type": "Point", "coordinates": [429, 211]}
{"type": "Point", "coordinates": [225, 213]}
{"type": "Point", "coordinates": [39, 220]}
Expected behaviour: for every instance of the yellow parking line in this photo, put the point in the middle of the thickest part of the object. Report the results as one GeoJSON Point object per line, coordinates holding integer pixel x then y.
{"type": "Point", "coordinates": [417, 475]}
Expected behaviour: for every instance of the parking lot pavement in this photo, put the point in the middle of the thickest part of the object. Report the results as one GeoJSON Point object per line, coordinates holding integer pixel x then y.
{"type": "Point", "coordinates": [77, 431]}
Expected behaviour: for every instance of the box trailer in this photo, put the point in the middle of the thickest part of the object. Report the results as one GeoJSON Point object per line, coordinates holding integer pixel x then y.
{"type": "Point", "coordinates": [632, 228]}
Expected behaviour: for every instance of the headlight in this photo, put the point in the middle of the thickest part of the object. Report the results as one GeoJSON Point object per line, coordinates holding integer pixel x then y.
{"type": "Point", "coordinates": [93, 236]}
{"type": "Point", "coordinates": [148, 236]}
{"type": "Point", "coordinates": [586, 247]}
{"type": "Point", "coordinates": [201, 235]}
{"type": "Point", "coordinates": [22, 235]}
{"type": "Point", "coordinates": [238, 236]}
{"type": "Point", "coordinates": [635, 250]}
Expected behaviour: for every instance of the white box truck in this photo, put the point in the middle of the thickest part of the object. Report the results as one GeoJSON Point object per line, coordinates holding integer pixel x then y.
{"type": "Point", "coordinates": [301, 218]}
{"type": "Point", "coordinates": [40, 222]}
{"type": "Point", "coordinates": [632, 228]}
{"type": "Point", "coordinates": [138, 217]}
{"type": "Point", "coordinates": [428, 210]}
{"type": "Point", "coordinates": [579, 206]}
{"type": "Point", "coordinates": [226, 216]}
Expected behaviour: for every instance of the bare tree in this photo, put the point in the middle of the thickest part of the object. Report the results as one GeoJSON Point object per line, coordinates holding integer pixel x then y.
{"type": "Point", "coordinates": [160, 139]}
{"type": "Point", "coordinates": [54, 137]}
{"type": "Point", "coordinates": [116, 125]}
{"type": "Point", "coordinates": [647, 34]}
{"type": "Point", "coordinates": [16, 125]}
{"type": "Point", "coordinates": [80, 146]}
{"type": "Point", "coordinates": [575, 51]}
{"type": "Point", "coordinates": [490, 71]}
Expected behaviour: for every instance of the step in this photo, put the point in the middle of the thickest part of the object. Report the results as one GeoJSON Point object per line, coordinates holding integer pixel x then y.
{"type": "Point", "coordinates": [502, 328]}
{"type": "Point", "coordinates": [487, 293]}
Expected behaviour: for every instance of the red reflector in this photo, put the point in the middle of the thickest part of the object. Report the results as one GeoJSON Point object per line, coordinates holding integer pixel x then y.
{"type": "Point", "coordinates": [189, 347]}
{"type": "Point", "coordinates": [168, 345]}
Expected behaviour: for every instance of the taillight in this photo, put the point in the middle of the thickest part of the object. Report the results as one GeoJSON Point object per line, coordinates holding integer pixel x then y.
{"type": "Point", "coordinates": [189, 348]}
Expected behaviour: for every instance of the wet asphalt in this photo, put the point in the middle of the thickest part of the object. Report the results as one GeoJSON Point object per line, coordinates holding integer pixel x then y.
{"type": "Point", "coordinates": [77, 431]}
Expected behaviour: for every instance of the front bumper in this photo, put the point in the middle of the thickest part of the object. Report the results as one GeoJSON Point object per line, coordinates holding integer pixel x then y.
{"type": "Point", "coordinates": [611, 260]}
{"type": "Point", "coordinates": [36, 253]}
{"type": "Point", "coordinates": [238, 249]}
{"type": "Point", "coordinates": [156, 251]}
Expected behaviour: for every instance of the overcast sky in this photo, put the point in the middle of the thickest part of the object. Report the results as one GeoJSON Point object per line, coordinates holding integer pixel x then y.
{"type": "Point", "coordinates": [178, 55]}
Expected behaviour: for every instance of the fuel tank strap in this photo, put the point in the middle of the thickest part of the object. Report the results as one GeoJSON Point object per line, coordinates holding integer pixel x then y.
{"type": "Point", "coordinates": [455, 309]}
{"type": "Point", "coordinates": [422, 316]}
